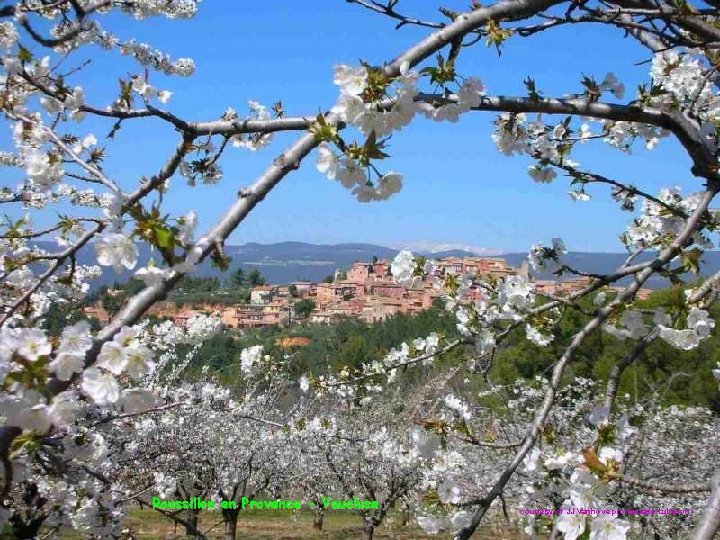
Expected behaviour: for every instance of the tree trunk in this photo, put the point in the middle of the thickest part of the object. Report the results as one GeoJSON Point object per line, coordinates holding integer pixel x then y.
{"type": "Point", "coordinates": [319, 516]}
{"type": "Point", "coordinates": [405, 516]}
{"type": "Point", "coordinates": [368, 530]}
{"type": "Point", "coordinates": [191, 530]}
{"type": "Point", "coordinates": [231, 517]}
{"type": "Point", "coordinates": [29, 529]}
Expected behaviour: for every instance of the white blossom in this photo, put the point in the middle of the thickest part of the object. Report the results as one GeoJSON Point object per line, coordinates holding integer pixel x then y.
{"type": "Point", "coordinates": [101, 387]}
{"type": "Point", "coordinates": [608, 527]}
{"type": "Point", "coordinates": [116, 250]}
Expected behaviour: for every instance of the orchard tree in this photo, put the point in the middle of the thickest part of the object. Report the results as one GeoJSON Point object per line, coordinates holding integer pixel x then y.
{"type": "Point", "coordinates": [51, 386]}
{"type": "Point", "coordinates": [203, 443]}
{"type": "Point", "coordinates": [581, 460]}
{"type": "Point", "coordinates": [359, 454]}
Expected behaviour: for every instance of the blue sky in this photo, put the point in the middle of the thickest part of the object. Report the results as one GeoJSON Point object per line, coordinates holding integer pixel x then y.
{"type": "Point", "coordinates": [457, 187]}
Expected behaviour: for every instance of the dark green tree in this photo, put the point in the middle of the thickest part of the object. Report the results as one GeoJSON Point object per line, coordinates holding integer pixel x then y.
{"type": "Point", "coordinates": [237, 278]}
{"type": "Point", "coordinates": [304, 307]}
{"type": "Point", "coordinates": [256, 278]}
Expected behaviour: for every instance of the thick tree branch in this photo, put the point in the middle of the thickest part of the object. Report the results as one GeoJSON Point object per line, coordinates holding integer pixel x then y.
{"type": "Point", "coordinates": [686, 130]}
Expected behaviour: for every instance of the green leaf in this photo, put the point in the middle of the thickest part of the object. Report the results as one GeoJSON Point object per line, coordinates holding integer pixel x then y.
{"type": "Point", "coordinates": [164, 237]}
{"type": "Point", "coordinates": [691, 260]}
{"type": "Point", "coordinates": [24, 55]}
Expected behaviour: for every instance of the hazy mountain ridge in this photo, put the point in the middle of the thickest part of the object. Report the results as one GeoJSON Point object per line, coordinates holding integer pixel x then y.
{"type": "Point", "coordinates": [286, 262]}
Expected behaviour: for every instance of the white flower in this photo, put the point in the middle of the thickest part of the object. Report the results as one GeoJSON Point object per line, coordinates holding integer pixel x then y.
{"type": "Point", "coordinates": [41, 171]}
{"type": "Point", "coordinates": [516, 293]}
{"type": "Point", "coordinates": [249, 357]}
{"type": "Point", "coordinates": [559, 461]}
{"type": "Point", "coordinates": [351, 80]}
{"type": "Point", "coordinates": [571, 525]}
{"type": "Point", "coordinates": [112, 357]}
{"type": "Point", "coordinates": [76, 339]}
{"type": "Point", "coordinates": [454, 403]}
{"type": "Point", "coordinates": [531, 460]}
{"type": "Point", "coordinates": [680, 339]}
{"type": "Point", "coordinates": [151, 275]}
{"type": "Point", "coordinates": [449, 111]}
{"type": "Point", "coordinates": [32, 343]}
{"type": "Point", "coordinates": [164, 96]}
{"type": "Point", "coordinates": [127, 337]}
{"type": "Point", "coordinates": [461, 519]}
{"type": "Point", "coordinates": [8, 38]}
{"type": "Point", "coordinates": [470, 93]}
{"type": "Point", "coordinates": [608, 454]}
{"type": "Point", "coordinates": [101, 387]}
{"type": "Point", "coordinates": [370, 121]}
{"type": "Point", "coordinates": [111, 204]}
{"type": "Point", "coordinates": [700, 321]}
{"type": "Point", "coordinates": [349, 173]}
{"type": "Point", "coordinates": [611, 83]}
{"type": "Point", "coordinates": [448, 491]}
{"type": "Point", "coordinates": [432, 342]}
{"type": "Point", "coordinates": [608, 527]}
{"type": "Point", "coordinates": [327, 162]}
{"type": "Point", "coordinates": [139, 361]}
{"type": "Point", "coordinates": [583, 494]}
{"type": "Point", "coordinates": [403, 268]}
{"type": "Point", "coordinates": [534, 335]}
{"type": "Point", "coordinates": [542, 175]}
{"type": "Point", "coordinates": [585, 131]}
{"type": "Point", "coordinates": [66, 364]}
{"type": "Point", "coordinates": [599, 416]}
{"type": "Point", "coordinates": [349, 108]}
{"type": "Point", "coordinates": [91, 447]}
{"type": "Point", "coordinates": [64, 408]}
{"type": "Point", "coordinates": [116, 250]}
{"type": "Point", "coordinates": [83, 144]}
{"type": "Point", "coordinates": [429, 524]}
{"type": "Point", "coordinates": [36, 418]}
{"type": "Point", "coordinates": [165, 485]}
{"type": "Point", "coordinates": [390, 183]}
{"type": "Point", "coordinates": [186, 225]}
{"type": "Point", "coordinates": [304, 383]}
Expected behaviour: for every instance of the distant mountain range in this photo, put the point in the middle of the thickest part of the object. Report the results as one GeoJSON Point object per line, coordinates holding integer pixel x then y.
{"type": "Point", "coordinates": [286, 262]}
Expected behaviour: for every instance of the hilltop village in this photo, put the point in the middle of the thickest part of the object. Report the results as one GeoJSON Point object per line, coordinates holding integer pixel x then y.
{"type": "Point", "coordinates": [365, 291]}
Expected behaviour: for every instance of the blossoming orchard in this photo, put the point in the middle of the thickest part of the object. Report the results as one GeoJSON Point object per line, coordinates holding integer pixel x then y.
{"type": "Point", "coordinates": [99, 419]}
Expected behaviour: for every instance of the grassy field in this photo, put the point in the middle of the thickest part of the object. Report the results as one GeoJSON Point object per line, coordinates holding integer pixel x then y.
{"type": "Point", "coordinates": [277, 525]}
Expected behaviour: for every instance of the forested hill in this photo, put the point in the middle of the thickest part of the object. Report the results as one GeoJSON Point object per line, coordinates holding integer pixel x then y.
{"type": "Point", "coordinates": [286, 262]}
